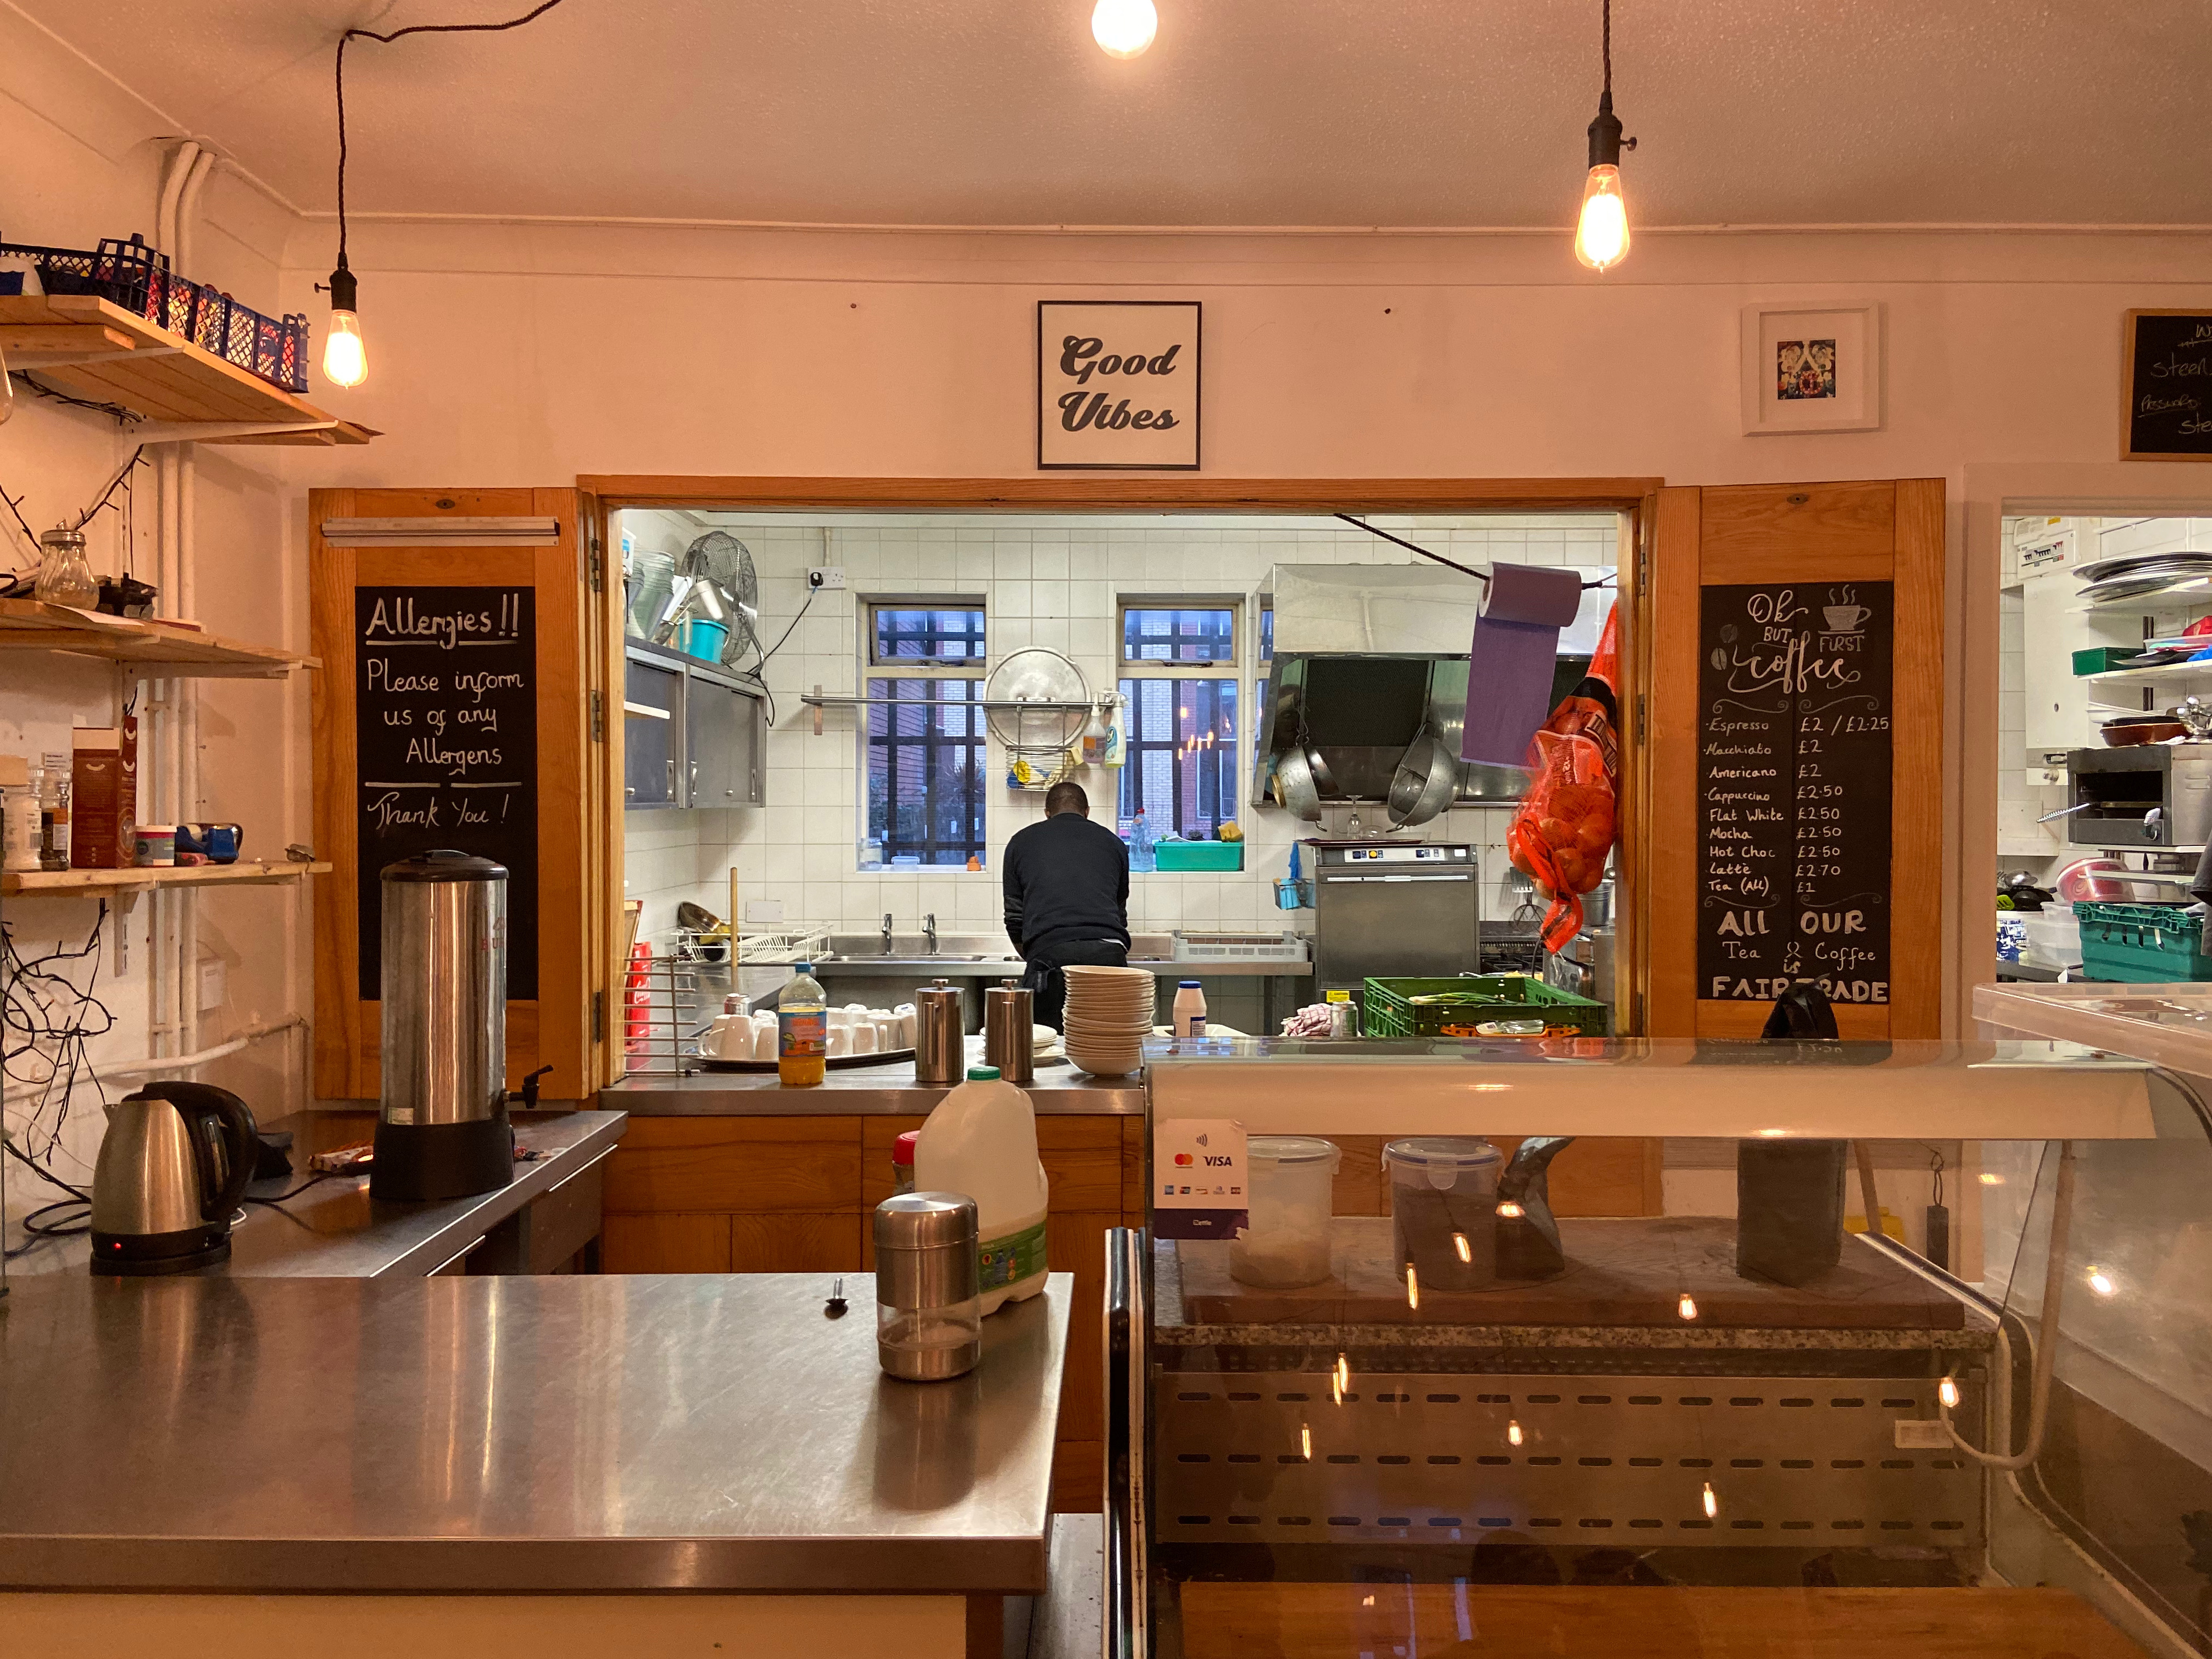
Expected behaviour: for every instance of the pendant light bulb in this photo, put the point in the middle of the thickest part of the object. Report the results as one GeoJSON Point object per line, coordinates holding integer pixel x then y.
{"type": "Point", "coordinates": [1602, 231]}
{"type": "Point", "coordinates": [345, 359]}
{"type": "Point", "coordinates": [1123, 28]}
{"type": "Point", "coordinates": [1602, 234]}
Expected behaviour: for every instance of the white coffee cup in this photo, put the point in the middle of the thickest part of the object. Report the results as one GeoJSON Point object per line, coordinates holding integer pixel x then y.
{"type": "Point", "coordinates": [864, 1037]}
{"type": "Point", "coordinates": [764, 1039]}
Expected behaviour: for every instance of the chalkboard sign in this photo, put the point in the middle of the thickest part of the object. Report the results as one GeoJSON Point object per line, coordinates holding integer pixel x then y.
{"type": "Point", "coordinates": [446, 735]}
{"type": "Point", "coordinates": [1794, 791]}
{"type": "Point", "coordinates": [2167, 369]}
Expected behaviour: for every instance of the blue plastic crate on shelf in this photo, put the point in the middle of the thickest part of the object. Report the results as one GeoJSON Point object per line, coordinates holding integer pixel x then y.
{"type": "Point", "coordinates": [137, 277]}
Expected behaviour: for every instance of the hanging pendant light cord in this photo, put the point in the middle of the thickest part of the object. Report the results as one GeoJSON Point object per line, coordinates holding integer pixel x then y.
{"type": "Point", "coordinates": [400, 34]}
{"type": "Point", "coordinates": [1605, 48]}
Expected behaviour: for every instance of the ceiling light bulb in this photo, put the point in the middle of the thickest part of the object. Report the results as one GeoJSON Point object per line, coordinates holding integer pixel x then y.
{"type": "Point", "coordinates": [1686, 1308]}
{"type": "Point", "coordinates": [1948, 1392]}
{"type": "Point", "coordinates": [1602, 237]}
{"type": "Point", "coordinates": [1124, 28]}
{"type": "Point", "coordinates": [345, 360]}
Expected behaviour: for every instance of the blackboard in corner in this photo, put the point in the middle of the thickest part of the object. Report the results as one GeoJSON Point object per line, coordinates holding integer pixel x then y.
{"type": "Point", "coordinates": [2166, 381]}
{"type": "Point", "coordinates": [446, 734]}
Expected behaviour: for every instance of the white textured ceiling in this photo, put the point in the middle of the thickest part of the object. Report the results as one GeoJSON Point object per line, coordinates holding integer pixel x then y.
{"type": "Point", "coordinates": [1413, 112]}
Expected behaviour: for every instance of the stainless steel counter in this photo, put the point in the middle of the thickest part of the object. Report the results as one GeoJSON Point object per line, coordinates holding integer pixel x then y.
{"type": "Point", "coordinates": [572, 1433]}
{"type": "Point", "coordinates": [334, 1230]}
{"type": "Point", "coordinates": [1011, 967]}
{"type": "Point", "coordinates": [868, 1090]}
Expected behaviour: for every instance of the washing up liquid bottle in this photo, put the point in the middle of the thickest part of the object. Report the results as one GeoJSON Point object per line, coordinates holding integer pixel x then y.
{"type": "Point", "coordinates": [981, 1140]}
{"type": "Point", "coordinates": [1142, 856]}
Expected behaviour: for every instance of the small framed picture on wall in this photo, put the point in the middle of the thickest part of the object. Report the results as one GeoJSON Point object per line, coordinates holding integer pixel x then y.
{"type": "Point", "coordinates": [1812, 370]}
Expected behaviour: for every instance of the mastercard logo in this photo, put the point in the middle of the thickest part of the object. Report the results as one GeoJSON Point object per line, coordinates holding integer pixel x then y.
{"type": "Point", "coordinates": [1183, 1160]}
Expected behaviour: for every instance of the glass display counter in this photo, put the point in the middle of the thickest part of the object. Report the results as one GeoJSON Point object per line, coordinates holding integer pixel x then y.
{"type": "Point", "coordinates": [1589, 1350]}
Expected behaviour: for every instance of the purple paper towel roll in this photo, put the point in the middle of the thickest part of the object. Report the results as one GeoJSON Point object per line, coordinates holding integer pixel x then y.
{"type": "Point", "coordinates": [1509, 665]}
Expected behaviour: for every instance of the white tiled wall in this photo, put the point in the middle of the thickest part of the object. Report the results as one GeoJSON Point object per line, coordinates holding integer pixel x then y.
{"type": "Point", "coordinates": [1048, 581]}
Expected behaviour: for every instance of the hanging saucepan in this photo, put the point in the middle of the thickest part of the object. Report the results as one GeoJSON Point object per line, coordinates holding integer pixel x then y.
{"type": "Point", "coordinates": [1294, 785]}
{"type": "Point", "coordinates": [1324, 780]}
{"type": "Point", "coordinates": [1427, 776]}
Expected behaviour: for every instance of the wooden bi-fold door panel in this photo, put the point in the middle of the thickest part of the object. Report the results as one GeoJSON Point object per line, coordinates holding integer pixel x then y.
{"type": "Point", "coordinates": [1795, 739]}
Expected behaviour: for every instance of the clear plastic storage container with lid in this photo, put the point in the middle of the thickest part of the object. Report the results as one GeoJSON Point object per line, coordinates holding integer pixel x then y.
{"type": "Point", "coordinates": [1285, 1242]}
{"type": "Point", "coordinates": [1443, 1209]}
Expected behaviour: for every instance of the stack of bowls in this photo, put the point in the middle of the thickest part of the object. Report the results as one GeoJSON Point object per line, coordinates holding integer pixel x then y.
{"type": "Point", "coordinates": [1110, 1015]}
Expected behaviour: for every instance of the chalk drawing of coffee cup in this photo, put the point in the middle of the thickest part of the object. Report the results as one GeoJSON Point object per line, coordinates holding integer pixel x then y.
{"type": "Point", "coordinates": [1844, 618]}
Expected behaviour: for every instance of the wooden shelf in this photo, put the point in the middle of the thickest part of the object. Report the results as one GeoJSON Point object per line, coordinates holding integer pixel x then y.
{"type": "Point", "coordinates": [158, 650]}
{"type": "Point", "coordinates": [93, 883]}
{"type": "Point", "coordinates": [2171, 671]}
{"type": "Point", "coordinates": [89, 348]}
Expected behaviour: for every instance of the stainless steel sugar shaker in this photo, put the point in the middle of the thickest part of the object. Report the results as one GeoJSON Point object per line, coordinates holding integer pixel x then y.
{"type": "Point", "coordinates": [940, 1033]}
{"type": "Point", "coordinates": [929, 1309]}
{"type": "Point", "coordinates": [1008, 1029]}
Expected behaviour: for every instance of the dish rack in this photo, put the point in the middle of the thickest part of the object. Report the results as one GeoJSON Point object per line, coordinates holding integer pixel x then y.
{"type": "Point", "coordinates": [766, 946]}
{"type": "Point", "coordinates": [1239, 947]}
{"type": "Point", "coordinates": [661, 1013]}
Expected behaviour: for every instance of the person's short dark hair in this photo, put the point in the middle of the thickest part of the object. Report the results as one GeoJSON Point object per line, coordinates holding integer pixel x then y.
{"type": "Point", "coordinates": [1066, 797]}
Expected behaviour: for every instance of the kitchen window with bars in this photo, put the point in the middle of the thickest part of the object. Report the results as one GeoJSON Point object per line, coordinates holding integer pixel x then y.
{"type": "Point", "coordinates": [924, 764]}
{"type": "Point", "coordinates": [1179, 686]}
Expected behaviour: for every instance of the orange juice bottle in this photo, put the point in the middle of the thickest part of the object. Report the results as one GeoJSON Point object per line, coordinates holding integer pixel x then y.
{"type": "Point", "coordinates": [802, 1030]}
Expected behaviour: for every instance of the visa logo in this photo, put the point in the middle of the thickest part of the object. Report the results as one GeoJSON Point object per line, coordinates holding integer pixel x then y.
{"type": "Point", "coordinates": [1213, 1163]}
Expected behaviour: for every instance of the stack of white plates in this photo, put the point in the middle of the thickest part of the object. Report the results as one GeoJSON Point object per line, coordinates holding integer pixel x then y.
{"type": "Point", "coordinates": [1109, 1014]}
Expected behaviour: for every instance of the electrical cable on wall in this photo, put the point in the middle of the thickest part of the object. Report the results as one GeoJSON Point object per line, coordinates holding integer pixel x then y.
{"type": "Point", "coordinates": [48, 1021]}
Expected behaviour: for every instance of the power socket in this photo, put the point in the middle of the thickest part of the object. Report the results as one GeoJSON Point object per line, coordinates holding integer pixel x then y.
{"type": "Point", "coordinates": [1922, 1434]}
{"type": "Point", "coordinates": [826, 575]}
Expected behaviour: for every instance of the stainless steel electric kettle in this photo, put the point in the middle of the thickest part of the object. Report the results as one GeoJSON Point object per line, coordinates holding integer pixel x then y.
{"type": "Point", "coordinates": [173, 1166]}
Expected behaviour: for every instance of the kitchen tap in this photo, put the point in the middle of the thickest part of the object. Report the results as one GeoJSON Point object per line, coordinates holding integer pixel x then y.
{"type": "Point", "coordinates": [887, 933]}
{"type": "Point", "coordinates": [929, 930]}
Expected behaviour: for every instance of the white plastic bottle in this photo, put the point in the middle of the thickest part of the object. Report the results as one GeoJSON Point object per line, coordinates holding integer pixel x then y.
{"type": "Point", "coordinates": [981, 1140]}
{"type": "Point", "coordinates": [1190, 1008]}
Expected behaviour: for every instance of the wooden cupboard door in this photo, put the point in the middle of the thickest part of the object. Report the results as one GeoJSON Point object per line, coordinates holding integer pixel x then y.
{"type": "Point", "coordinates": [671, 1242]}
{"type": "Point", "coordinates": [1882, 531]}
{"type": "Point", "coordinates": [1133, 1205]}
{"type": "Point", "coordinates": [1082, 1158]}
{"type": "Point", "coordinates": [757, 1164]}
{"type": "Point", "coordinates": [1076, 1243]}
{"type": "Point", "coordinates": [565, 1024]}
{"type": "Point", "coordinates": [787, 1243]}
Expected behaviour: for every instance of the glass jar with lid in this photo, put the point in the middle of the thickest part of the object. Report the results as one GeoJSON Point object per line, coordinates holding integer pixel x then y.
{"type": "Point", "coordinates": [64, 577]}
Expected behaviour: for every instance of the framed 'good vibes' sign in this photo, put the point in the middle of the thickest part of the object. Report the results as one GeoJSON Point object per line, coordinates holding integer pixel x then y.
{"type": "Point", "coordinates": [1117, 385]}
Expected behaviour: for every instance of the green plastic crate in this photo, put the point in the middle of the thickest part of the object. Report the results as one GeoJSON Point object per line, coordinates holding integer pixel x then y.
{"type": "Point", "coordinates": [2103, 659]}
{"type": "Point", "coordinates": [2140, 944]}
{"type": "Point", "coordinates": [1393, 1011]}
{"type": "Point", "coordinates": [1200, 854]}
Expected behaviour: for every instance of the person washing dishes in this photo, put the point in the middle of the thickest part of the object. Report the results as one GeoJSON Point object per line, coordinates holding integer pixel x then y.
{"type": "Point", "coordinates": [1067, 898]}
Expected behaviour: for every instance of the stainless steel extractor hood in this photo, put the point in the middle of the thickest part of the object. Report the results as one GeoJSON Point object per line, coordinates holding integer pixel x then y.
{"type": "Point", "coordinates": [1365, 656]}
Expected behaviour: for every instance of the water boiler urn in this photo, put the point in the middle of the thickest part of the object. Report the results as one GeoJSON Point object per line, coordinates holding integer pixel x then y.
{"type": "Point", "coordinates": [441, 1127]}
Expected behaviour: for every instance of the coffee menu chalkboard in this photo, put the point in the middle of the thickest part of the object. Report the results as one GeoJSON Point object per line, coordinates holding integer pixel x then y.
{"type": "Point", "coordinates": [445, 733]}
{"type": "Point", "coordinates": [1794, 790]}
{"type": "Point", "coordinates": [2168, 373]}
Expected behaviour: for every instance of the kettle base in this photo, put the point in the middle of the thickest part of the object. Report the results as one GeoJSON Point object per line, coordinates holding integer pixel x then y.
{"type": "Point", "coordinates": [418, 1164]}
{"type": "Point", "coordinates": [158, 1252]}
